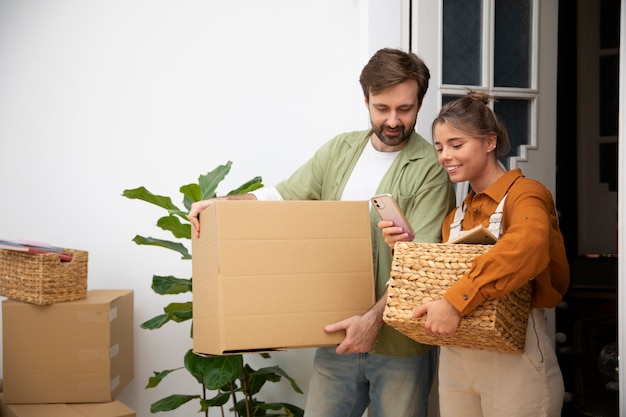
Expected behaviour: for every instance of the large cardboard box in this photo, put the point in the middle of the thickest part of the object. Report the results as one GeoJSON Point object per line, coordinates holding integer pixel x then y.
{"type": "Point", "coordinates": [271, 274]}
{"type": "Point", "coordinates": [72, 352]}
{"type": "Point", "coordinates": [108, 409]}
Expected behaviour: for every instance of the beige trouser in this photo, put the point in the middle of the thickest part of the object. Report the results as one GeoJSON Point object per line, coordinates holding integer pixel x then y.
{"type": "Point", "coordinates": [475, 383]}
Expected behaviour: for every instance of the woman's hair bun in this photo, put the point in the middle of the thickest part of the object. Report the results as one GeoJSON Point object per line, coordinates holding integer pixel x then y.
{"type": "Point", "coordinates": [478, 96]}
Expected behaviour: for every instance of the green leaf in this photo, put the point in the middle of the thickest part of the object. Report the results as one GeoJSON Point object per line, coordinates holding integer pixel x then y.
{"type": "Point", "coordinates": [172, 224]}
{"type": "Point", "coordinates": [191, 192]}
{"type": "Point", "coordinates": [141, 193]}
{"type": "Point", "coordinates": [188, 202]}
{"type": "Point", "coordinates": [171, 403]}
{"type": "Point", "coordinates": [179, 311]}
{"type": "Point", "coordinates": [254, 184]}
{"type": "Point", "coordinates": [209, 182]}
{"type": "Point", "coordinates": [170, 285]}
{"type": "Point", "coordinates": [223, 369]}
{"type": "Point", "coordinates": [213, 371]}
{"type": "Point", "coordinates": [217, 401]}
{"type": "Point", "coordinates": [155, 322]}
{"type": "Point", "coordinates": [258, 378]}
{"type": "Point", "coordinates": [290, 409]}
{"type": "Point", "coordinates": [153, 381]}
{"type": "Point", "coordinates": [196, 365]}
{"type": "Point", "coordinates": [175, 246]}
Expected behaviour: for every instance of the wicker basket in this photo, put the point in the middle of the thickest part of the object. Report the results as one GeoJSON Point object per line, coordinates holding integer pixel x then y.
{"type": "Point", "coordinates": [42, 278]}
{"type": "Point", "coordinates": [423, 272]}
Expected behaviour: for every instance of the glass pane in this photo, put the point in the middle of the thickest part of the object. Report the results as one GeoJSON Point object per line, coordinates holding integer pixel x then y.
{"type": "Point", "coordinates": [609, 29]}
{"type": "Point", "coordinates": [512, 55]}
{"type": "Point", "coordinates": [447, 98]}
{"type": "Point", "coordinates": [515, 114]}
{"type": "Point", "coordinates": [609, 81]}
{"type": "Point", "coordinates": [462, 35]}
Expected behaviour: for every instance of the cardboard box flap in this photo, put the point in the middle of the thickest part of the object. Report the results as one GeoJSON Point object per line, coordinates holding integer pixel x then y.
{"type": "Point", "coordinates": [283, 220]}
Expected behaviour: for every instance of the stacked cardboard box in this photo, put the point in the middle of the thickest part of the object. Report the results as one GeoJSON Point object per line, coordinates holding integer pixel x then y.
{"type": "Point", "coordinates": [70, 358]}
{"type": "Point", "coordinates": [108, 409]}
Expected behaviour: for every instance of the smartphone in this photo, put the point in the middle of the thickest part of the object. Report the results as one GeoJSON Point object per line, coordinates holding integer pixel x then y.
{"type": "Point", "coordinates": [388, 209]}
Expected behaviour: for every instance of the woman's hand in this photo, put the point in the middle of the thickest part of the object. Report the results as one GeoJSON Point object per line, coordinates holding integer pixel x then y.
{"type": "Point", "coordinates": [391, 233]}
{"type": "Point", "coordinates": [442, 318]}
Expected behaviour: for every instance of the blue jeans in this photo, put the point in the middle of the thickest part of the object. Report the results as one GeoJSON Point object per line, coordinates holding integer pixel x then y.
{"type": "Point", "coordinates": [344, 385]}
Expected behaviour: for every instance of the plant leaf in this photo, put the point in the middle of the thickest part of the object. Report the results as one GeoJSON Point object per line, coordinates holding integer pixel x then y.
{"type": "Point", "coordinates": [179, 311]}
{"type": "Point", "coordinates": [216, 371]}
{"type": "Point", "coordinates": [254, 184]}
{"type": "Point", "coordinates": [141, 193]}
{"type": "Point", "coordinates": [272, 374]}
{"type": "Point", "coordinates": [170, 285]}
{"type": "Point", "coordinates": [223, 369]}
{"type": "Point", "coordinates": [153, 381]}
{"type": "Point", "coordinates": [209, 182]}
{"type": "Point", "coordinates": [175, 246]}
{"type": "Point", "coordinates": [217, 401]}
{"type": "Point", "coordinates": [191, 192]}
{"type": "Point", "coordinates": [155, 322]}
{"type": "Point", "coordinates": [290, 409]}
{"type": "Point", "coordinates": [171, 403]}
{"type": "Point", "coordinates": [172, 224]}
{"type": "Point", "coordinates": [196, 365]}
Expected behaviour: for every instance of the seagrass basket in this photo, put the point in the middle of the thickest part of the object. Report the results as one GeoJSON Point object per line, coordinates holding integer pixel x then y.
{"type": "Point", "coordinates": [423, 272]}
{"type": "Point", "coordinates": [43, 278]}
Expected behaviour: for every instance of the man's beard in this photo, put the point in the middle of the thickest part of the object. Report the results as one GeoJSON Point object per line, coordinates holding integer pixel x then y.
{"type": "Point", "coordinates": [404, 135]}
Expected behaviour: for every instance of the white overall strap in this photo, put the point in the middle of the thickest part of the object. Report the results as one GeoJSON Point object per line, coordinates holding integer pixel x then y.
{"type": "Point", "coordinates": [495, 221]}
{"type": "Point", "coordinates": [455, 227]}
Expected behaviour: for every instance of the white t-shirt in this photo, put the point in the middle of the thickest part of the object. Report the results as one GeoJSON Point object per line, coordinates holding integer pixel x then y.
{"type": "Point", "coordinates": [363, 182]}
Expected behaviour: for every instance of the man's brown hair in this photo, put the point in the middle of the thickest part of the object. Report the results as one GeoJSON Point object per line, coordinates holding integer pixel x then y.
{"type": "Point", "coordinates": [389, 67]}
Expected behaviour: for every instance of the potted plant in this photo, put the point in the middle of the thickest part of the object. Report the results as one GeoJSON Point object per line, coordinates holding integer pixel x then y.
{"type": "Point", "coordinates": [225, 381]}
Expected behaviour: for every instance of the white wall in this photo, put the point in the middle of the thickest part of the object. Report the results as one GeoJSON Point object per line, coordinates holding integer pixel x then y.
{"type": "Point", "coordinates": [98, 97]}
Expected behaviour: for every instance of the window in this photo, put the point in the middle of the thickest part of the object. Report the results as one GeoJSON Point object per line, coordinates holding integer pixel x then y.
{"type": "Point", "coordinates": [487, 46]}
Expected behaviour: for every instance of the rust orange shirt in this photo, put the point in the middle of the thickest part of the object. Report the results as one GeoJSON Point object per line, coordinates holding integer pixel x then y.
{"type": "Point", "coordinates": [531, 245]}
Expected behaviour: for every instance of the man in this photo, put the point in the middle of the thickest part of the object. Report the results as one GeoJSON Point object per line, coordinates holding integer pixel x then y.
{"type": "Point", "coordinates": [374, 365]}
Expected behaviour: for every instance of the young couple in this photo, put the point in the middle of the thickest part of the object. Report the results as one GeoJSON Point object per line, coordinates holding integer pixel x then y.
{"type": "Point", "coordinates": [375, 365]}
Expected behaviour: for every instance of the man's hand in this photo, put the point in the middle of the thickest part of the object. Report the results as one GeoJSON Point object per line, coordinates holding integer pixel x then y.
{"type": "Point", "coordinates": [442, 318]}
{"type": "Point", "coordinates": [392, 234]}
{"type": "Point", "coordinates": [194, 214]}
{"type": "Point", "coordinates": [361, 331]}
{"type": "Point", "coordinates": [198, 206]}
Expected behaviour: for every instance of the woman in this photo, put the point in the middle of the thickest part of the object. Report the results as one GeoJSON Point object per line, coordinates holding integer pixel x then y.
{"type": "Point", "coordinates": [469, 138]}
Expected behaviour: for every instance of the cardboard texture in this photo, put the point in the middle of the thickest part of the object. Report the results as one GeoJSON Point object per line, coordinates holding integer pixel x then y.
{"type": "Point", "coordinates": [109, 409]}
{"type": "Point", "coordinates": [72, 352]}
{"type": "Point", "coordinates": [270, 275]}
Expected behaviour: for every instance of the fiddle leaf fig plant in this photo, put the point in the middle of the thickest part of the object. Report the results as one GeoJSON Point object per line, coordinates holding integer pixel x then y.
{"type": "Point", "coordinates": [225, 381]}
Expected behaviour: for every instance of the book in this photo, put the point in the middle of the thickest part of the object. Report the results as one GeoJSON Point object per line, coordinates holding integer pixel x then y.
{"type": "Point", "coordinates": [31, 244]}
{"type": "Point", "coordinates": [30, 247]}
{"type": "Point", "coordinates": [477, 235]}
